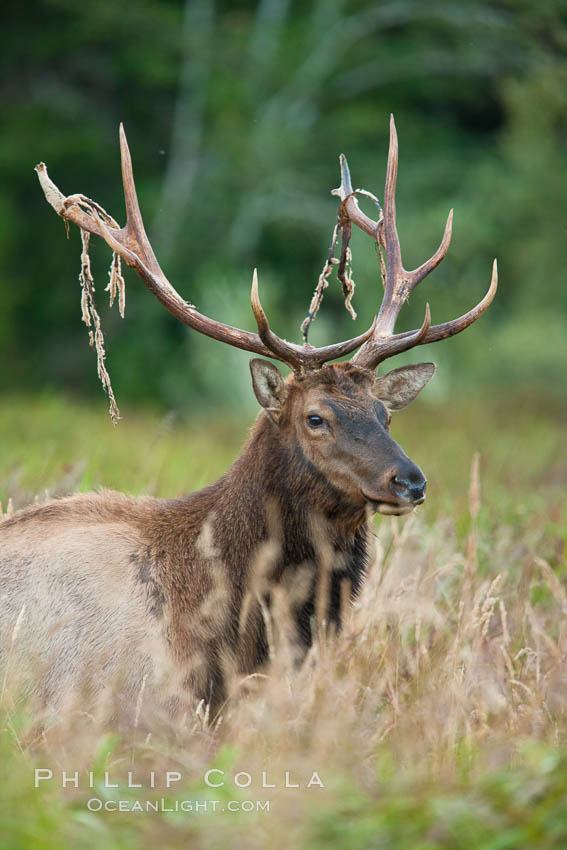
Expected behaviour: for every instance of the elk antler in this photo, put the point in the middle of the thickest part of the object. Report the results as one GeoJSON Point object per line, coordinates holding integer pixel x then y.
{"type": "Point", "coordinates": [133, 245]}
{"type": "Point", "coordinates": [399, 283]}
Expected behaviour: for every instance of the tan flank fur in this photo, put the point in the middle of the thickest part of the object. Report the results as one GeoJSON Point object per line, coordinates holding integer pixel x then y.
{"type": "Point", "coordinates": [107, 598]}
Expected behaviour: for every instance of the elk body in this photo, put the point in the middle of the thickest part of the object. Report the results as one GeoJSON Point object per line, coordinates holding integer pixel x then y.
{"type": "Point", "coordinates": [169, 597]}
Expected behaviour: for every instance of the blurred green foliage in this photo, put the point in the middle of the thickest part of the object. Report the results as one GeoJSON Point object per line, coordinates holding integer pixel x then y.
{"type": "Point", "coordinates": [236, 114]}
{"type": "Point", "coordinates": [520, 808]}
{"type": "Point", "coordinates": [51, 446]}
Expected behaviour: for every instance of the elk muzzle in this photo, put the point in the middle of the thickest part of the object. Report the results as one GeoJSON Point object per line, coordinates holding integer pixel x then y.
{"type": "Point", "coordinates": [405, 489]}
{"type": "Point", "coordinates": [409, 485]}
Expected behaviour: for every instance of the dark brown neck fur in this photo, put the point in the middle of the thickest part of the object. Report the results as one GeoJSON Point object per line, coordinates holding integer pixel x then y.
{"type": "Point", "coordinates": [270, 492]}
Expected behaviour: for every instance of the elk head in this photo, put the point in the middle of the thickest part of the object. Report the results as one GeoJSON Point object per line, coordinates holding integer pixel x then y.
{"type": "Point", "coordinates": [337, 414]}
{"type": "Point", "coordinates": [338, 420]}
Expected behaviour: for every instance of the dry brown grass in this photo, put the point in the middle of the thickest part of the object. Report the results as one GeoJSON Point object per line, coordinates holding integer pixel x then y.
{"type": "Point", "coordinates": [448, 672]}
{"type": "Point", "coordinates": [453, 655]}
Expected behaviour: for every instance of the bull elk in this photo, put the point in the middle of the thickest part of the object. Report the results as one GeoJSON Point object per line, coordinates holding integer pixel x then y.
{"type": "Point", "coordinates": [167, 594]}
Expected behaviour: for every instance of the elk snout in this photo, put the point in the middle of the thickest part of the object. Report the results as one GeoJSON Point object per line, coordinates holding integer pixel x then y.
{"type": "Point", "coordinates": [408, 484]}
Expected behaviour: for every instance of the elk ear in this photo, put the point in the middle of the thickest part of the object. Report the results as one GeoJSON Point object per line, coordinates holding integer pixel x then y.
{"type": "Point", "coordinates": [269, 387]}
{"type": "Point", "coordinates": [399, 387]}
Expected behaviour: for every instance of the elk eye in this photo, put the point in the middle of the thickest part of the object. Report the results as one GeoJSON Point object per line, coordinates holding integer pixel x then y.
{"type": "Point", "coordinates": [314, 421]}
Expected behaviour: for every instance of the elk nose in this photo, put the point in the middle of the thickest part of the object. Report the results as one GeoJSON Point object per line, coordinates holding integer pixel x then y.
{"type": "Point", "coordinates": [410, 486]}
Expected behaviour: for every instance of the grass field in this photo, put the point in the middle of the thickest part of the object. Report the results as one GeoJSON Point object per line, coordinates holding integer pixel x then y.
{"type": "Point", "coordinates": [437, 719]}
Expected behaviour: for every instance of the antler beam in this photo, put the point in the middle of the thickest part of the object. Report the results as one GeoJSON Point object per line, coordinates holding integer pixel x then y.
{"type": "Point", "coordinates": [133, 245]}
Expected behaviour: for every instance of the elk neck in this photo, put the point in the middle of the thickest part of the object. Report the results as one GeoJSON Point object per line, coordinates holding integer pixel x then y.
{"type": "Point", "coordinates": [273, 491]}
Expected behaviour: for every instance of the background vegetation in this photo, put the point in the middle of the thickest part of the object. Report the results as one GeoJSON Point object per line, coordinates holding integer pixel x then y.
{"type": "Point", "coordinates": [437, 720]}
{"type": "Point", "coordinates": [236, 114]}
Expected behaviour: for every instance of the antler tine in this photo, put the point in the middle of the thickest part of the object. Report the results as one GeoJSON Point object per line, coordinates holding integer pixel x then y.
{"type": "Point", "coordinates": [349, 208]}
{"type": "Point", "coordinates": [417, 275]}
{"type": "Point", "coordinates": [345, 189]}
{"type": "Point", "coordinates": [134, 230]}
{"type": "Point", "coordinates": [268, 337]}
{"type": "Point", "coordinates": [389, 309]}
{"type": "Point", "coordinates": [400, 278]}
